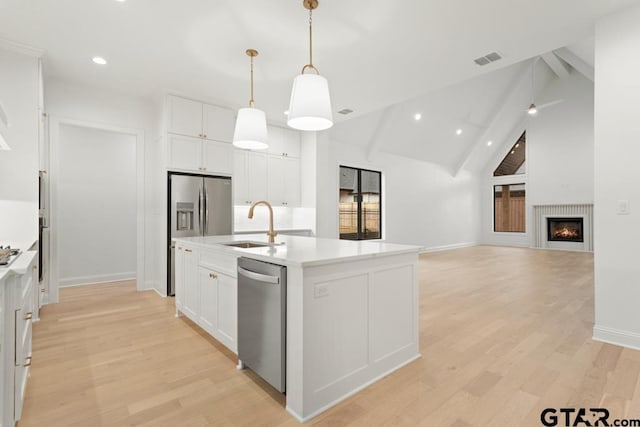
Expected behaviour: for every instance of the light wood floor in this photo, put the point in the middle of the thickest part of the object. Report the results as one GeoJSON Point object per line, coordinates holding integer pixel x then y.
{"type": "Point", "coordinates": [505, 333]}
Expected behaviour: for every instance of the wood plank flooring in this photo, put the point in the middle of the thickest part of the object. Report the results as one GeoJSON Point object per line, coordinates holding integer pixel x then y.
{"type": "Point", "coordinates": [504, 333]}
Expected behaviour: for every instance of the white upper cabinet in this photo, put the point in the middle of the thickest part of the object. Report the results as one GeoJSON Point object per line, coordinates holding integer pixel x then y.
{"type": "Point", "coordinates": [249, 177]}
{"type": "Point", "coordinates": [217, 157]}
{"type": "Point", "coordinates": [283, 181]}
{"type": "Point", "coordinates": [199, 136]}
{"type": "Point", "coordinates": [218, 123]}
{"type": "Point", "coordinates": [185, 117]}
{"type": "Point", "coordinates": [283, 142]}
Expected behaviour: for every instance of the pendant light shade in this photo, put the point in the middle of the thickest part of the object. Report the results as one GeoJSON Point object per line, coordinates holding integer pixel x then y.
{"type": "Point", "coordinates": [251, 129]}
{"type": "Point", "coordinates": [251, 123]}
{"type": "Point", "coordinates": [310, 104]}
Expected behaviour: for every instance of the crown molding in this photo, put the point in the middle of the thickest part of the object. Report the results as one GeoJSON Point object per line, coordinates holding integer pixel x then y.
{"type": "Point", "coordinates": [22, 48]}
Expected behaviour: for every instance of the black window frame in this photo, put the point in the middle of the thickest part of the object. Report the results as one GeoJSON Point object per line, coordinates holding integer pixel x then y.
{"type": "Point", "coordinates": [360, 231]}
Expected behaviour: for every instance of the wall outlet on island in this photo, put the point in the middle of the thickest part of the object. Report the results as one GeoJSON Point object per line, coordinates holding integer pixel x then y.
{"type": "Point", "coordinates": [321, 290]}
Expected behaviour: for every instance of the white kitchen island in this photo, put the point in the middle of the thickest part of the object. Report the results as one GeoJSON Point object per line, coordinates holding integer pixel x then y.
{"type": "Point", "coordinates": [352, 308]}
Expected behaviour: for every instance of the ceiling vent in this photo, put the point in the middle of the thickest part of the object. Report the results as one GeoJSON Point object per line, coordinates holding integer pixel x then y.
{"type": "Point", "coordinates": [345, 111]}
{"type": "Point", "coordinates": [488, 58]}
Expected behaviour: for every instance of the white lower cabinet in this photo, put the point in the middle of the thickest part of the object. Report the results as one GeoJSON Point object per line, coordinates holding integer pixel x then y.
{"type": "Point", "coordinates": [207, 293]}
{"type": "Point", "coordinates": [17, 318]}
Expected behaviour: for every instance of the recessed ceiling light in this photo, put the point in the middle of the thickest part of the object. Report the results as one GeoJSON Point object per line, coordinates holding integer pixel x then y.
{"type": "Point", "coordinates": [286, 112]}
{"type": "Point", "coordinates": [489, 143]}
{"type": "Point", "coordinates": [513, 151]}
{"type": "Point", "coordinates": [121, 1]}
{"type": "Point", "coordinates": [517, 145]}
{"type": "Point", "coordinates": [99, 60]}
{"type": "Point", "coordinates": [417, 116]}
{"type": "Point", "coordinates": [459, 132]}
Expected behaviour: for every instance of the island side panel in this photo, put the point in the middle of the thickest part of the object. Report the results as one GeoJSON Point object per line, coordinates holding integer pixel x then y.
{"type": "Point", "coordinates": [295, 333]}
{"type": "Point", "coordinates": [360, 323]}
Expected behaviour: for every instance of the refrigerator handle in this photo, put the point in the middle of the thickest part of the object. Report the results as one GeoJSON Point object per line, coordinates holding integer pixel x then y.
{"type": "Point", "coordinates": [206, 210]}
{"type": "Point", "coordinates": [200, 207]}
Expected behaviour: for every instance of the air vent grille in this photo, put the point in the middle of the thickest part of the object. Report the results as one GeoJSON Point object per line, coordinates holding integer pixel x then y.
{"type": "Point", "coordinates": [345, 111]}
{"type": "Point", "coordinates": [488, 58]}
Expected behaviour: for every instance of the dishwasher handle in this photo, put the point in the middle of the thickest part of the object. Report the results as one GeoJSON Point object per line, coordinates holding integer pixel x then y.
{"type": "Point", "coordinates": [259, 277]}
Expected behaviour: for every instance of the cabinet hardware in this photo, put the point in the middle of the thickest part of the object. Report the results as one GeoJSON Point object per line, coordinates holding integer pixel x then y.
{"type": "Point", "coordinates": [188, 250]}
{"type": "Point", "coordinates": [28, 362]}
{"type": "Point", "coordinates": [213, 275]}
{"type": "Point", "coordinates": [204, 136]}
{"type": "Point", "coordinates": [42, 290]}
{"type": "Point", "coordinates": [29, 316]}
{"type": "Point", "coordinates": [179, 248]}
{"type": "Point", "coordinates": [35, 267]}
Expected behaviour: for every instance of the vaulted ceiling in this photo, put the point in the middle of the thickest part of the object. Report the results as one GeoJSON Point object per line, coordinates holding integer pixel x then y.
{"type": "Point", "coordinates": [375, 54]}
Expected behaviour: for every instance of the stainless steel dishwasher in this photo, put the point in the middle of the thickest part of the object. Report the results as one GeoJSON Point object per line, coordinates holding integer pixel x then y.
{"type": "Point", "coordinates": [262, 320]}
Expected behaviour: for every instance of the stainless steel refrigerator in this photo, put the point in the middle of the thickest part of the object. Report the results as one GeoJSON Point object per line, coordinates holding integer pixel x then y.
{"type": "Point", "coordinates": [198, 206]}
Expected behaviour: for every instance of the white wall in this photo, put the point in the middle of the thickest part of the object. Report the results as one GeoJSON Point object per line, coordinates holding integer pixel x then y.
{"type": "Point", "coordinates": [19, 166]}
{"type": "Point", "coordinates": [96, 189]}
{"type": "Point", "coordinates": [617, 177]}
{"type": "Point", "coordinates": [64, 100]}
{"type": "Point", "coordinates": [422, 203]}
{"type": "Point", "coordinates": [559, 156]}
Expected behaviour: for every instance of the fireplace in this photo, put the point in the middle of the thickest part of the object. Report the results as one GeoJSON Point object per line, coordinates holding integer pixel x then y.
{"type": "Point", "coordinates": [565, 229]}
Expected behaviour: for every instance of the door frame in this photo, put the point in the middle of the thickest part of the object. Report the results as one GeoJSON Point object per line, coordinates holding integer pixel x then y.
{"type": "Point", "coordinates": [54, 168]}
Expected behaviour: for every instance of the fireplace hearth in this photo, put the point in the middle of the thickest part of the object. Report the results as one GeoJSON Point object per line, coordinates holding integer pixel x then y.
{"type": "Point", "coordinates": [565, 229]}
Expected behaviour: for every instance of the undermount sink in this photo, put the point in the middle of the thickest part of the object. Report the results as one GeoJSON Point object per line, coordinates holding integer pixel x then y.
{"type": "Point", "coordinates": [247, 244]}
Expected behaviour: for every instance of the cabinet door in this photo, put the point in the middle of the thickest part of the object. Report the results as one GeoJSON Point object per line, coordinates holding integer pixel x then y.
{"type": "Point", "coordinates": [185, 152]}
{"type": "Point", "coordinates": [291, 172]}
{"type": "Point", "coordinates": [276, 137]}
{"type": "Point", "coordinates": [185, 117]}
{"type": "Point", "coordinates": [275, 180]}
{"type": "Point", "coordinates": [208, 300]}
{"type": "Point", "coordinates": [219, 123]}
{"type": "Point", "coordinates": [228, 310]}
{"type": "Point", "coordinates": [240, 177]}
{"type": "Point", "coordinates": [179, 272]}
{"type": "Point", "coordinates": [217, 157]}
{"type": "Point", "coordinates": [191, 302]}
{"type": "Point", "coordinates": [291, 143]}
{"type": "Point", "coordinates": [257, 176]}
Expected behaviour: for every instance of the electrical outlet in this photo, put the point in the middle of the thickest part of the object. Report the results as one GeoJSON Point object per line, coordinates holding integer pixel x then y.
{"type": "Point", "coordinates": [623, 207]}
{"type": "Point", "coordinates": [320, 290]}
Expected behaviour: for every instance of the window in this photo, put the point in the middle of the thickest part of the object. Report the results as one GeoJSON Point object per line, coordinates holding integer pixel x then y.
{"type": "Point", "coordinates": [514, 162]}
{"type": "Point", "coordinates": [509, 208]}
{"type": "Point", "coordinates": [360, 204]}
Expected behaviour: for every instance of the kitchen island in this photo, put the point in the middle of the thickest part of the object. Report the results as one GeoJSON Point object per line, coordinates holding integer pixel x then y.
{"type": "Point", "coordinates": [351, 308]}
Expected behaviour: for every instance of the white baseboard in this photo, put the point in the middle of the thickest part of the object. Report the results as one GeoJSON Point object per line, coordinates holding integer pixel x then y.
{"type": "Point", "coordinates": [617, 337]}
{"type": "Point", "coordinates": [91, 280]}
{"type": "Point", "coordinates": [157, 292]}
{"type": "Point", "coordinates": [425, 249]}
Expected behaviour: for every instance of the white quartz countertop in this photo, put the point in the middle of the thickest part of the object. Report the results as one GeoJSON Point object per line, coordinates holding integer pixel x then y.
{"type": "Point", "coordinates": [301, 251]}
{"type": "Point", "coordinates": [19, 265]}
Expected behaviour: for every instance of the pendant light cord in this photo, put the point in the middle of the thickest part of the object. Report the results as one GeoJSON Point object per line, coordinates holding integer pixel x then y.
{"type": "Point", "coordinates": [310, 64]}
{"type": "Point", "coordinates": [251, 103]}
{"type": "Point", "coordinates": [311, 37]}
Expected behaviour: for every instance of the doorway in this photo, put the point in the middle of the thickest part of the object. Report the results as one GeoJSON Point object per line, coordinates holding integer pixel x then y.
{"type": "Point", "coordinates": [97, 205]}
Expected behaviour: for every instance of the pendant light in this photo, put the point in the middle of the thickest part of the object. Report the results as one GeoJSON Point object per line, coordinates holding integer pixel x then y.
{"type": "Point", "coordinates": [310, 105]}
{"type": "Point", "coordinates": [533, 110]}
{"type": "Point", "coordinates": [251, 124]}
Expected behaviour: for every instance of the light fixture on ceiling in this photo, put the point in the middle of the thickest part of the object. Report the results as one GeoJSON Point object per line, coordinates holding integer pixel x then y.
{"type": "Point", "coordinates": [99, 60]}
{"type": "Point", "coordinates": [533, 110]}
{"type": "Point", "coordinates": [459, 132]}
{"type": "Point", "coordinates": [489, 143]}
{"type": "Point", "coordinates": [286, 112]}
{"type": "Point", "coordinates": [251, 124]}
{"type": "Point", "coordinates": [417, 116]}
{"type": "Point", "coordinates": [310, 105]}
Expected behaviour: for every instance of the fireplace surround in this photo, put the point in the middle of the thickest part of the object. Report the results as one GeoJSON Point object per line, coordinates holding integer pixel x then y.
{"type": "Point", "coordinates": [540, 226]}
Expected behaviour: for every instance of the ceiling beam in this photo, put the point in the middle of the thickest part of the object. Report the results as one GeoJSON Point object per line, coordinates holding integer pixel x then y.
{"type": "Point", "coordinates": [572, 59]}
{"type": "Point", "coordinates": [377, 137]}
{"type": "Point", "coordinates": [556, 64]}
